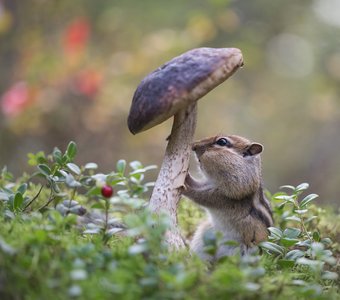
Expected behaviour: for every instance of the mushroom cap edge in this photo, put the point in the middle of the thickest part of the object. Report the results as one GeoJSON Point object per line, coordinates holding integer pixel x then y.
{"type": "Point", "coordinates": [180, 82]}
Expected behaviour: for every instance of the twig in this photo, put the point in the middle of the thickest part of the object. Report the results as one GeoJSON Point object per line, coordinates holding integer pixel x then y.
{"type": "Point", "coordinates": [34, 198]}
{"type": "Point", "coordinates": [51, 198]}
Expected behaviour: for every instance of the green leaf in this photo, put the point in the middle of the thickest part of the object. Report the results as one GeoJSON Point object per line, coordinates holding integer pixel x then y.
{"type": "Point", "coordinates": [54, 186]}
{"type": "Point", "coordinates": [272, 248]}
{"type": "Point", "coordinates": [299, 282]}
{"type": "Point", "coordinates": [295, 254]}
{"type": "Point", "coordinates": [137, 249]}
{"type": "Point", "coordinates": [71, 150]}
{"type": "Point", "coordinates": [284, 198]}
{"type": "Point", "coordinates": [135, 165]}
{"type": "Point", "coordinates": [285, 263]}
{"type": "Point", "coordinates": [293, 218]}
{"type": "Point", "coordinates": [316, 236]}
{"type": "Point", "coordinates": [120, 166]}
{"type": "Point", "coordinates": [326, 241]}
{"type": "Point", "coordinates": [311, 219]}
{"type": "Point", "coordinates": [4, 196]}
{"type": "Point", "coordinates": [291, 232]}
{"type": "Point", "coordinates": [44, 169]}
{"type": "Point", "coordinates": [113, 231]}
{"type": "Point", "coordinates": [317, 248]}
{"type": "Point", "coordinates": [275, 232]}
{"type": "Point", "coordinates": [95, 191]}
{"type": "Point", "coordinates": [71, 182]}
{"type": "Point", "coordinates": [288, 242]}
{"type": "Point", "coordinates": [305, 243]}
{"type": "Point", "coordinates": [75, 291]}
{"type": "Point", "coordinates": [114, 181]}
{"type": "Point", "coordinates": [302, 187]}
{"type": "Point", "coordinates": [309, 262]}
{"type": "Point", "coordinates": [18, 201]}
{"type": "Point", "coordinates": [22, 188]}
{"type": "Point", "coordinates": [98, 205]}
{"type": "Point", "coordinates": [148, 282]}
{"type": "Point", "coordinates": [300, 211]}
{"type": "Point", "coordinates": [92, 231]}
{"type": "Point", "coordinates": [282, 205]}
{"type": "Point", "coordinates": [99, 178]}
{"type": "Point", "coordinates": [57, 155]}
{"type": "Point", "coordinates": [78, 274]}
{"type": "Point", "coordinates": [6, 248]}
{"type": "Point", "coordinates": [35, 159]}
{"type": "Point", "coordinates": [70, 203]}
{"type": "Point", "coordinates": [138, 171]}
{"type": "Point", "coordinates": [151, 167]}
{"type": "Point", "coordinates": [329, 259]}
{"type": "Point", "coordinates": [329, 275]}
{"type": "Point", "coordinates": [74, 168]}
{"type": "Point", "coordinates": [136, 177]}
{"type": "Point", "coordinates": [91, 166]}
{"type": "Point", "coordinates": [64, 159]}
{"type": "Point", "coordinates": [305, 201]}
{"type": "Point", "coordinates": [287, 187]}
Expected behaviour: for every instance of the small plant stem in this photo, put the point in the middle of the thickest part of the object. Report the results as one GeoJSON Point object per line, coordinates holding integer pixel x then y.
{"type": "Point", "coordinates": [73, 195]}
{"type": "Point", "coordinates": [303, 226]}
{"type": "Point", "coordinates": [50, 199]}
{"type": "Point", "coordinates": [107, 206]}
{"type": "Point", "coordinates": [34, 198]}
{"type": "Point", "coordinates": [305, 229]}
{"type": "Point", "coordinates": [74, 191]}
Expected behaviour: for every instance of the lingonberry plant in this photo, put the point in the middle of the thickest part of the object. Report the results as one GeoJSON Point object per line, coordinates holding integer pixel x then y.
{"type": "Point", "coordinates": [296, 242]}
{"type": "Point", "coordinates": [69, 188]}
{"type": "Point", "coordinates": [68, 230]}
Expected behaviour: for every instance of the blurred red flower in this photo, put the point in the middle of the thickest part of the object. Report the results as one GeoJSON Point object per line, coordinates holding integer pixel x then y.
{"type": "Point", "coordinates": [88, 82]}
{"type": "Point", "coordinates": [76, 36]}
{"type": "Point", "coordinates": [15, 99]}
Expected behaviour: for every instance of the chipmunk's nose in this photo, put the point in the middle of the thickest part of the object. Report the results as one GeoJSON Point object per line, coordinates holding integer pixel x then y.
{"type": "Point", "coordinates": [199, 149]}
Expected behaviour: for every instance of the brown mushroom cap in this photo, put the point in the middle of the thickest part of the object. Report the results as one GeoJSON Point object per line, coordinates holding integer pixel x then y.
{"type": "Point", "coordinates": [180, 82]}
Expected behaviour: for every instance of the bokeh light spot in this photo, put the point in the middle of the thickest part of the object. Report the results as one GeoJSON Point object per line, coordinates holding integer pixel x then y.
{"type": "Point", "coordinates": [290, 55]}
{"type": "Point", "coordinates": [328, 11]}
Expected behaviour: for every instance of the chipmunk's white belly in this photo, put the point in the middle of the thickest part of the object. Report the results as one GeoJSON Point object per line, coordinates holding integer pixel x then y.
{"type": "Point", "coordinates": [217, 222]}
{"type": "Point", "coordinates": [223, 224]}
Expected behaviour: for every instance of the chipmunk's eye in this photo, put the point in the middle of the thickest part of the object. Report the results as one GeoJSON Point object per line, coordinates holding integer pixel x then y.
{"type": "Point", "coordinates": [223, 142]}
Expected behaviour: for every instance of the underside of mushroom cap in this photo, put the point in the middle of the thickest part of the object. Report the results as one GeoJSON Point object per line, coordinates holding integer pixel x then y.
{"type": "Point", "coordinates": [180, 82]}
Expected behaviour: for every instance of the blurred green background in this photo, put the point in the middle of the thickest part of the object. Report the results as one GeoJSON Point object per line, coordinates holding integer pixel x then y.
{"type": "Point", "coordinates": [68, 71]}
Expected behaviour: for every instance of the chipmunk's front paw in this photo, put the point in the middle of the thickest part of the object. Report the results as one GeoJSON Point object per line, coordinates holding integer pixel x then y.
{"type": "Point", "coordinates": [187, 187]}
{"type": "Point", "coordinates": [189, 181]}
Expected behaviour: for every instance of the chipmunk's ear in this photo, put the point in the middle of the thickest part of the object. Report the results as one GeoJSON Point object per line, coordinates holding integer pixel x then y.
{"type": "Point", "coordinates": [253, 149]}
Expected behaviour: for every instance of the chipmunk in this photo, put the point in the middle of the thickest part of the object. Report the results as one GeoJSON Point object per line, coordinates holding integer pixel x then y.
{"type": "Point", "coordinates": [231, 193]}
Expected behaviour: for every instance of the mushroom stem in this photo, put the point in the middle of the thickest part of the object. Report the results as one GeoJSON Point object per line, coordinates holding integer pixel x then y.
{"type": "Point", "coordinates": [168, 187]}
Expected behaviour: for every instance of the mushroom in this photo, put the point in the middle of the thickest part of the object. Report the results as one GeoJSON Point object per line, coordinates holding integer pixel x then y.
{"type": "Point", "coordinates": [172, 90]}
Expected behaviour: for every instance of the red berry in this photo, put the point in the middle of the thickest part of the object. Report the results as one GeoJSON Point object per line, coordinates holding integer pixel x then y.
{"type": "Point", "coordinates": [107, 191]}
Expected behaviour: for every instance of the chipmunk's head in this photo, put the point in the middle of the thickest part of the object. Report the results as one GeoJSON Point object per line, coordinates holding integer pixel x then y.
{"type": "Point", "coordinates": [231, 161]}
